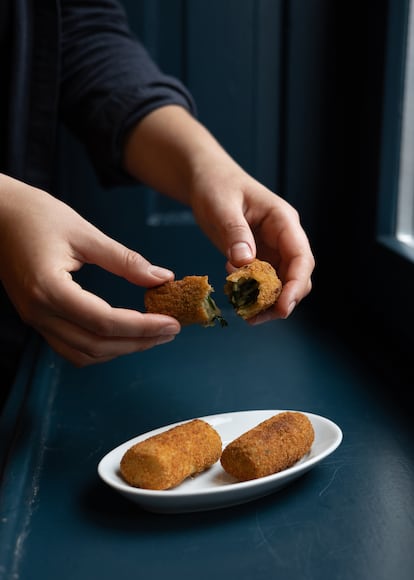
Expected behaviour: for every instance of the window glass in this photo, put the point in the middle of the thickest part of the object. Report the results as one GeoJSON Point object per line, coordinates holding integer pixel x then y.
{"type": "Point", "coordinates": [405, 205]}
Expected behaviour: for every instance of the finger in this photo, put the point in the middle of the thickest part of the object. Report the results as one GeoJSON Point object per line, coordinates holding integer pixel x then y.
{"type": "Point", "coordinates": [236, 239]}
{"type": "Point", "coordinates": [292, 293]}
{"type": "Point", "coordinates": [88, 350]}
{"type": "Point", "coordinates": [297, 283]}
{"type": "Point", "coordinates": [294, 263]}
{"type": "Point", "coordinates": [67, 300]}
{"type": "Point", "coordinates": [114, 257]}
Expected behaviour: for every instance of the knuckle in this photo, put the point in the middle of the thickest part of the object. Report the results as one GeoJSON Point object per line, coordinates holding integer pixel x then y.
{"type": "Point", "coordinates": [93, 353]}
{"type": "Point", "coordinates": [133, 260]}
{"type": "Point", "coordinates": [235, 226]}
{"type": "Point", "coordinates": [294, 212]}
{"type": "Point", "coordinates": [33, 302]}
{"type": "Point", "coordinates": [104, 327]}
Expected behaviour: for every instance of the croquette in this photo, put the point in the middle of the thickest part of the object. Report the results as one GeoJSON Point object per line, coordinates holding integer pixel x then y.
{"type": "Point", "coordinates": [270, 447]}
{"type": "Point", "coordinates": [165, 460]}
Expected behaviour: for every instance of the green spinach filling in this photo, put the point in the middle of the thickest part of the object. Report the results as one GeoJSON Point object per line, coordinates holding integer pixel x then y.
{"type": "Point", "coordinates": [214, 313]}
{"type": "Point", "coordinates": [244, 292]}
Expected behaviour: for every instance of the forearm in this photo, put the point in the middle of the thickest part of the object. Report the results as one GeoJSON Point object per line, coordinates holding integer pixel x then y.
{"type": "Point", "coordinates": [168, 150]}
{"type": "Point", "coordinates": [174, 154]}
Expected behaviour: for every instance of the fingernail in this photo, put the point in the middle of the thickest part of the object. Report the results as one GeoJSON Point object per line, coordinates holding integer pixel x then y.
{"type": "Point", "coordinates": [161, 273]}
{"type": "Point", "coordinates": [170, 329]}
{"type": "Point", "coordinates": [241, 251]}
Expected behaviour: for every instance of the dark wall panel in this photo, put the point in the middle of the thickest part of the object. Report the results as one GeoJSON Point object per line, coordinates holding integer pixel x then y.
{"type": "Point", "coordinates": [160, 25]}
{"type": "Point", "coordinates": [230, 55]}
{"type": "Point", "coordinates": [233, 53]}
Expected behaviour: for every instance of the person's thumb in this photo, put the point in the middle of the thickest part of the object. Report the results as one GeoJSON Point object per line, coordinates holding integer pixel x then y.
{"type": "Point", "coordinates": [240, 247]}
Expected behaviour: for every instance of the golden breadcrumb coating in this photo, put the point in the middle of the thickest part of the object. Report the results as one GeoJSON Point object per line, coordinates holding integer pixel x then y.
{"type": "Point", "coordinates": [188, 300]}
{"type": "Point", "coordinates": [270, 447]}
{"type": "Point", "coordinates": [167, 459]}
{"type": "Point", "coordinates": [253, 288]}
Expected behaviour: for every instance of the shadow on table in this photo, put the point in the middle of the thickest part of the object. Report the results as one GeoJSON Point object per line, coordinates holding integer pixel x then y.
{"type": "Point", "coordinates": [108, 509]}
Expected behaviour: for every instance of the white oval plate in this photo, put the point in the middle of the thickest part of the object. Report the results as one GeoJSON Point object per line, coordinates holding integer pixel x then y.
{"type": "Point", "coordinates": [214, 488]}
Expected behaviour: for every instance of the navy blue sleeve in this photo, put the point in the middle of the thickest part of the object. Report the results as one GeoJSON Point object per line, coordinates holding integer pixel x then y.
{"type": "Point", "coordinates": [109, 82]}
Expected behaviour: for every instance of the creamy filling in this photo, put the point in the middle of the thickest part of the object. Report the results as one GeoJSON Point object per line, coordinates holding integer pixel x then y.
{"type": "Point", "coordinates": [213, 312]}
{"type": "Point", "coordinates": [244, 293]}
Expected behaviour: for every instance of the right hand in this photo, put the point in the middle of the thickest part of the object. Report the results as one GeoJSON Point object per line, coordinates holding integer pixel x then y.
{"type": "Point", "coordinates": [42, 241]}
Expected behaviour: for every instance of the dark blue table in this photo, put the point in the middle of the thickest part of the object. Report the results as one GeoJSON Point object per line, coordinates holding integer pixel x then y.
{"type": "Point", "coordinates": [349, 518]}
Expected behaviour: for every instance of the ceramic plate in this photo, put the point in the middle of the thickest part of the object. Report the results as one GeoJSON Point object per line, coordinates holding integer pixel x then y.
{"type": "Point", "coordinates": [214, 488]}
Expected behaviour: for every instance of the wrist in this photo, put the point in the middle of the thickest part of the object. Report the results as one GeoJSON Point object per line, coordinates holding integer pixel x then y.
{"type": "Point", "coordinates": [171, 151]}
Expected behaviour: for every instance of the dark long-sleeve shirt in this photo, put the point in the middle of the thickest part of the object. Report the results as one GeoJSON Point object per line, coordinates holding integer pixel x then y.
{"type": "Point", "coordinates": [75, 61]}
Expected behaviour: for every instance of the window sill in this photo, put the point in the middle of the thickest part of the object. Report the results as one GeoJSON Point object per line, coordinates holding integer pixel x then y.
{"type": "Point", "coordinates": [399, 247]}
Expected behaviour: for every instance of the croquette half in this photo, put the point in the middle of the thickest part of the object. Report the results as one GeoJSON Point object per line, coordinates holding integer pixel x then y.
{"type": "Point", "coordinates": [188, 300]}
{"type": "Point", "coordinates": [253, 288]}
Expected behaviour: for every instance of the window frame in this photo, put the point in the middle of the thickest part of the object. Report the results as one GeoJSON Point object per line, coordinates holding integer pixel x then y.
{"type": "Point", "coordinates": [392, 129]}
{"type": "Point", "coordinates": [390, 272]}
